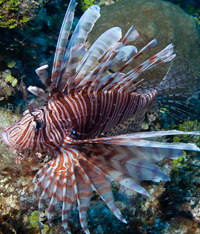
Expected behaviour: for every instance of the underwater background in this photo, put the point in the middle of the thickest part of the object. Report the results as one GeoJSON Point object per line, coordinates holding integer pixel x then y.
{"type": "Point", "coordinates": [28, 35]}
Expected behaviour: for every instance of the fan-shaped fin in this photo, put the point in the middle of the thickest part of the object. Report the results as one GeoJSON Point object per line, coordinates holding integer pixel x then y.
{"type": "Point", "coordinates": [137, 139]}
{"type": "Point", "coordinates": [127, 159]}
{"type": "Point", "coordinates": [131, 162]}
{"type": "Point", "coordinates": [174, 92]}
{"type": "Point", "coordinates": [66, 177]}
{"type": "Point", "coordinates": [101, 183]}
{"type": "Point", "coordinates": [104, 163]}
{"type": "Point", "coordinates": [139, 169]}
{"type": "Point", "coordinates": [56, 180]}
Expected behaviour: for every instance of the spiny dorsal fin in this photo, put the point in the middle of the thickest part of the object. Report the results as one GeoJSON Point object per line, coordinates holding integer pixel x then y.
{"type": "Point", "coordinates": [44, 77]}
{"type": "Point", "coordinates": [97, 50]}
{"type": "Point", "coordinates": [76, 47]}
{"type": "Point", "coordinates": [38, 92]}
{"type": "Point", "coordinates": [62, 41]}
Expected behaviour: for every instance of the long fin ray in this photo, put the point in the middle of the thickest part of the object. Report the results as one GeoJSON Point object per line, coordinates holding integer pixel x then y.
{"type": "Point", "coordinates": [97, 50]}
{"type": "Point", "coordinates": [76, 46]}
{"type": "Point", "coordinates": [62, 42]}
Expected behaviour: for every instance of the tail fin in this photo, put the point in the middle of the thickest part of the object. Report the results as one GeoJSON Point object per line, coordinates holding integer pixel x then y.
{"type": "Point", "coordinates": [175, 92]}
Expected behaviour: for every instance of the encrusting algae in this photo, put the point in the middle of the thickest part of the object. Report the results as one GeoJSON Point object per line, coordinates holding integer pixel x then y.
{"type": "Point", "coordinates": [87, 124]}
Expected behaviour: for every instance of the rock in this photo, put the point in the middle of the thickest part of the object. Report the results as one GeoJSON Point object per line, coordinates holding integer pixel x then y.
{"type": "Point", "coordinates": [155, 19]}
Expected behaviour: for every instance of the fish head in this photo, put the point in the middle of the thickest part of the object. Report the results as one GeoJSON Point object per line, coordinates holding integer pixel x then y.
{"type": "Point", "coordinates": [24, 133]}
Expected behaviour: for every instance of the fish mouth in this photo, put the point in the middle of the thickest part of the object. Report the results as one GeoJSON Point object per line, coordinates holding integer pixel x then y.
{"type": "Point", "coordinates": [5, 139]}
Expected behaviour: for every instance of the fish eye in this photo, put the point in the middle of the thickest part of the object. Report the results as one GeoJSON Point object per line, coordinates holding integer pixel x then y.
{"type": "Point", "coordinates": [74, 134]}
{"type": "Point", "coordinates": [37, 125]}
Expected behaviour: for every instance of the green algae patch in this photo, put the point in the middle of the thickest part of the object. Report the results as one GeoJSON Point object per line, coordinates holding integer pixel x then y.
{"type": "Point", "coordinates": [14, 13]}
{"type": "Point", "coordinates": [7, 84]}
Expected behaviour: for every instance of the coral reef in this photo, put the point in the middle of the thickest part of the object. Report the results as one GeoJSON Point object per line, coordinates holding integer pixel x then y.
{"type": "Point", "coordinates": [16, 13]}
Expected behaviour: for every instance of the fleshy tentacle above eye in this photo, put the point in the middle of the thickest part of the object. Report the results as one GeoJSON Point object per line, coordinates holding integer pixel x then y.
{"type": "Point", "coordinates": [127, 159]}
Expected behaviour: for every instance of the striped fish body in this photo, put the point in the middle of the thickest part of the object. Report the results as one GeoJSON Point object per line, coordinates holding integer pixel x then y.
{"type": "Point", "coordinates": [84, 103]}
{"type": "Point", "coordinates": [91, 114]}
{"type": "Point", "coordinates": [77, 117]}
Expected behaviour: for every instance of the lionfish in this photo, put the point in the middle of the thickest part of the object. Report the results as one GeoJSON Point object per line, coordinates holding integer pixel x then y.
{"type": "Point", "coordinates": [86, 121]}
